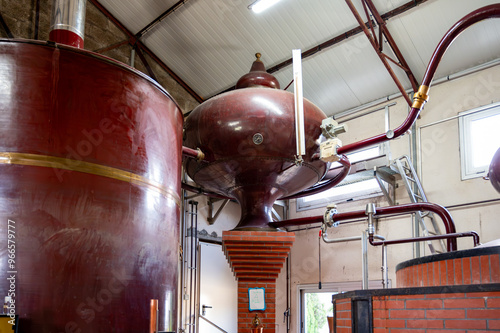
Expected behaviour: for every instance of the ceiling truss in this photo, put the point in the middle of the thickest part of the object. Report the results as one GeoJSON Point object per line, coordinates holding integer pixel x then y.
{"type": "Point", "coordinates": [378, 44]}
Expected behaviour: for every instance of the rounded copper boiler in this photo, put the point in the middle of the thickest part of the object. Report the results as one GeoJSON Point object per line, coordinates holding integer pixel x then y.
{"type": "Point", "coordinates": [90, 180]}
{"type": "Point", "coordinates": [494, 172]}
{"type": "Point", "coordinates": [248, 137]}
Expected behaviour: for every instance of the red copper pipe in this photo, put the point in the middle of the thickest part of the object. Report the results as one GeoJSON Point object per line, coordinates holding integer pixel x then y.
{"type": "Point", "coordinates": [442, 212]}
{"type": "Point", "coordinates": [296, 222]}
{"type": "Point", "coordinates": [326, 185]}
{"type": "Point", "coordinates": [193, 153]}
{"type": "Point", "coordinates": [153, 319]}
{"type": "Point", "coordinates": [491, 11]}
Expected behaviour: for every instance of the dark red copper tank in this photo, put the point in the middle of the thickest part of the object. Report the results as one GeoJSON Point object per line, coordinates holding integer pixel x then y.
{"type": "Point", "coordinates": [494, 172]}
{"type": "Point", "coordinates": [90, 180]}
{"type": "Point", "coordinates": [248, 137]}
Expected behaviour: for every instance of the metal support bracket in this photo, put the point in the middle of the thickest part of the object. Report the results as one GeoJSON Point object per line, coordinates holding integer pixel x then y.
{"type": "Point", "coordinates": [212, 218]}
{"type": "Point", "coordinates": [5, 27]}
{"type": "Point", "coordinates": [383, 177]}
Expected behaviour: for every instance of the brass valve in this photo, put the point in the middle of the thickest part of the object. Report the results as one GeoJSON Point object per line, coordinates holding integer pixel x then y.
{"type": "Point", "coordinates": [421, 97]}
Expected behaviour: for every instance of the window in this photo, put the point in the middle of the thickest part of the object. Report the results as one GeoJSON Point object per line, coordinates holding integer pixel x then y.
{"type": "Point", "coordinates": [479, 139]}
{"type": "Point", "coordinates": [354, 187]}
{"type": "Point", "coordinates": [316, 305]}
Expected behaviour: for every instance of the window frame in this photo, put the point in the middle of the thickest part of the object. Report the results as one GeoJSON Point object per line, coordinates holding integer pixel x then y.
{"type": "Point", "coordinates": [302, 205]}
{"type": "Point", "coordinates": [468, 171]}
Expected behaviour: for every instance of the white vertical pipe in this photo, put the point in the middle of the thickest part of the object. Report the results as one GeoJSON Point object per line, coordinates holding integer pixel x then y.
{"type": "Point", "coordinates": [385, 271]}
{"type": "Point", "coordinates": [364, 256]}
{"type": "Point", "coordinates": [299, 103]}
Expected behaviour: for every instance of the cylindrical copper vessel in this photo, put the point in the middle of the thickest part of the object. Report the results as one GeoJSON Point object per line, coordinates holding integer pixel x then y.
{"type": "Point", "coordinates": [90, 154]}
{"type": "Point", "coordinates": [494, 171]}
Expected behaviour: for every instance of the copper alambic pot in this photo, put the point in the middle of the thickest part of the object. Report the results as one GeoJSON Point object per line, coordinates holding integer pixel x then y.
{"type": "Point", "coordinates": [494, 171]}
{"type": "Point", "coordinates": [248, 137]}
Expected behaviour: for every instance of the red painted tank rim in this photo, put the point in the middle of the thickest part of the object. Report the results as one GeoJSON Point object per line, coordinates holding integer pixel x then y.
{"type": "Point", "coordinates": [98, 56]}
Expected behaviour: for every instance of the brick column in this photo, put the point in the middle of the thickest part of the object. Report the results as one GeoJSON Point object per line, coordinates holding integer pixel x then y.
{"type": "Point", "coordinates": [256, 259]}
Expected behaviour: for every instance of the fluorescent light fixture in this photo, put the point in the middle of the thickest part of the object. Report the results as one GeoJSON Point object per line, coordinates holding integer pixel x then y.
{"type": "Point", "coordinates": [261, 5]}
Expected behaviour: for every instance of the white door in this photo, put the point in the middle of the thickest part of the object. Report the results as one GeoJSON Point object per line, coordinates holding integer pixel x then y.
{"type": "Point", "coordinates": [218, 291]}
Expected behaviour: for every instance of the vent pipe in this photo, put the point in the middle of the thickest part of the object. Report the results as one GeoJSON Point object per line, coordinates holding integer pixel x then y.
{"type": "Point", "coordinates": [67, 24]}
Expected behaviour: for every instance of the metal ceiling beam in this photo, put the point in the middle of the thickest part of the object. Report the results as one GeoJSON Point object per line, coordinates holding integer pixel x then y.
{"type": "Point", "coordinates": [5, 27]}
{"type": "Point", "coordinates": [378, 47]}
{"type": "Point", "coordinates": [145, 63]}
{"type": "Point", "coordinates": [385, 31]}
{"type": "Point", "coordinates": [340, 38]}
{"type": "Point", "coordinates": [112, 46]}
{"type": "Point", "coordinates": [37, 19]}
{"type": "Point", "coordinates": [157, 20]}
{"type": "Point", "coordinates": [133, 41]}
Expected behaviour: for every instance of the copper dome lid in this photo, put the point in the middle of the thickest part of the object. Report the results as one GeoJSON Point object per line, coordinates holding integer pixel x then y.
{"type": "Point", "coordinates": [257, 77]}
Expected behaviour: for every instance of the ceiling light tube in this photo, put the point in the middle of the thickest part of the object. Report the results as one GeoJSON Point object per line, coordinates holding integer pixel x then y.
{"type": "Point", "coordinates": [261, 5]}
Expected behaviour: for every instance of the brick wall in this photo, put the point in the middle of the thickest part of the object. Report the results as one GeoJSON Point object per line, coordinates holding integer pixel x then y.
{"type": "Point", "coordinates": [256, 259]}
{"type": "Point", "coordinates": [480, 266]}
{"type": "Point", "coordinates": [433, 313]}
{"type": "Point", "coordinates": [343, 315]}
{"type": "Point", "coordinates": [245, 316]}
{"type": "Point", "coordinates": [455, 309]}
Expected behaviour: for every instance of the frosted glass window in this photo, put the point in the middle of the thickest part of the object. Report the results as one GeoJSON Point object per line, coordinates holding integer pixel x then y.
{"type": "Point", "coordinates": [479, 140]}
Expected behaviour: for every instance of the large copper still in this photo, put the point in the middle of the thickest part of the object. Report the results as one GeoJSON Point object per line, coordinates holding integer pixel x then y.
{"type": "Point", "coordinates": [90, 180]}
{"type": "Point", "coordinates": [248, 138]}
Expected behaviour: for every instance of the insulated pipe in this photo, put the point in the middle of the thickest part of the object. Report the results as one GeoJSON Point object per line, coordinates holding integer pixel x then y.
{"type": "Point", "coordinates": [67, 24]}
{"type": "Point", "coordinates": [335, 180]}
{"type": "Point", "coordinates": [421, 97]}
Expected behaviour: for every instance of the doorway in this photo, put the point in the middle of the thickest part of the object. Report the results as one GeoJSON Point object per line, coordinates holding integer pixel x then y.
{"type": "Point", "coordinates": [218, 305]}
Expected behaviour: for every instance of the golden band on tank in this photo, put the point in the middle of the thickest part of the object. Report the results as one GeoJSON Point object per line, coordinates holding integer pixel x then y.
{"type": "Point", "coordinates": [86, 167]}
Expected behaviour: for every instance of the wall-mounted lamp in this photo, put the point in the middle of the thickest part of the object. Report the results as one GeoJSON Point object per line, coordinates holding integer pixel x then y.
{"type": "Point", "coordinates": [261, 5]}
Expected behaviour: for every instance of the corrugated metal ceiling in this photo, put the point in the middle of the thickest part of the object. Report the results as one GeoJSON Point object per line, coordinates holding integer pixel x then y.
{"type": "Point", "coordinates": [210, 43]}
